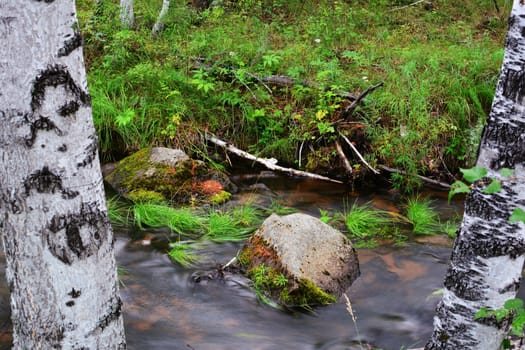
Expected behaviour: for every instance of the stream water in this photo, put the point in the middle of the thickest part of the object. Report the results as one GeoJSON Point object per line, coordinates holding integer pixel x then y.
{"type": "Point", "coordinates": [393, 301]}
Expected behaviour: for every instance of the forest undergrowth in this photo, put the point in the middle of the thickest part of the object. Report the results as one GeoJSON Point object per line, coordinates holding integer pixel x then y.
{"type": "Point", "coordinates": [278, 78]}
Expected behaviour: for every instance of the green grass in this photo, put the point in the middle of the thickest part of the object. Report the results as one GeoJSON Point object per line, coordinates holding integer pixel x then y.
{"type": "Point", "coordinates": [181, 252]}
{"type": "Point", "coordinates": [362, 221]}
{"type": "Point", "coordinates": [450, 228]}
{"type": "Point", "coordinates": [185, 222]}
{"type": "Point", "coordinates": [422, 216]}
{"type": "Point", "coordinates": [117, 211]}
{"type": "Point", "coordinates": [367, 227]}
{"type": "Point", "coordinates": [217, 226]}
{"type": "Point", "coordinates": [224, 227]}
{"type": "Point", "coordinates": [203, 72]}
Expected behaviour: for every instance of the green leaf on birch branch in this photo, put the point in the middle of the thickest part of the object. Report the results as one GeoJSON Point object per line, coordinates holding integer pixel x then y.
{"type": "Point", "coordinates": [457, 187]}
{"type": "Point", "coordinates": [506, 172]}
{"type": "Point", "coordinates": [494, 187]}
{"type": "Point", "coordinates": [518, 214]}
{"type": "Point", "coordinates": [474, 174]}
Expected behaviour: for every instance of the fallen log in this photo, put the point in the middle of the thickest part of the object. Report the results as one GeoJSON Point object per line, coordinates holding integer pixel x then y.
{"type": "Point", "coordinates": [270, 164]}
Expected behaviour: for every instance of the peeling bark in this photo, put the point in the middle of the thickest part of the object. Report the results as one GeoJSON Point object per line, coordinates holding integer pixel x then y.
{"type": "Point", "coordinates": [488, 254]}
{"type": "Point", "coordinates": [55, 229]}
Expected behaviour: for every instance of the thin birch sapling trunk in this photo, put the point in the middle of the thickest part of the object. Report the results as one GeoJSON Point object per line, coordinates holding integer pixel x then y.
{"type": "Point", "coordinates": [159, 25]}
{"type": "Point", "coordinates": [488, 254]}
{"type": "Point", "coordinates": [127, 16]}
{"type": "Point", "coordinates": [55, 229]}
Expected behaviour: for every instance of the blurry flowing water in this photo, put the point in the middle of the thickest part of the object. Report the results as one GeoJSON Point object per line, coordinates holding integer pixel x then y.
{"type": "Point", "coordinates": [393, 301]}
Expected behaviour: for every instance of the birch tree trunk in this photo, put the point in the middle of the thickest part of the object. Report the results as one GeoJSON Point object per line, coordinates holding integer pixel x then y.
{"type": "Point", "coordinates": [159, 25]}
{"type": "Point", "coordinates": [127, 17]}
{"type": "Point", "coordinates": [488, 254]}
{"type": "Point", "coordinates": [55, 229]}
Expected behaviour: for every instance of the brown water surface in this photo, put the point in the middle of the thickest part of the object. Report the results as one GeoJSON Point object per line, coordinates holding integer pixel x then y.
{"type": "Point", "coordinates": [392, 301]}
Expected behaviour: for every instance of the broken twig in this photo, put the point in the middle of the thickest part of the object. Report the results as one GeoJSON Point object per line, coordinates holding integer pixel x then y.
{"type": "Point", "coordinates": [358, 154]}
{"type": "Point", "coordinates": [342, 155]}
{"type": "Point", "coordinates": [404, 7]}
{"type": "Point", "coordinates": [350, 109]}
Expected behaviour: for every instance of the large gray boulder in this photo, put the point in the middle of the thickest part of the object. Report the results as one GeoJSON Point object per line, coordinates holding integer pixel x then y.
{"type": "Point", "coordinates": [318, 262]}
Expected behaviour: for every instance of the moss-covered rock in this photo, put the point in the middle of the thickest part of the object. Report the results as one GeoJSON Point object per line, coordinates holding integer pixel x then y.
{"type": "Point", "coordinates": [163, 174]}
{"type": "Point", "coordinates": [317, 262]}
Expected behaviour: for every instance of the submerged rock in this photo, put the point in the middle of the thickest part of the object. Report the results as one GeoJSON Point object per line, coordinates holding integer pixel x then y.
{"type": "Point", "coordinates": [300, 260]}
{"type": "Point", "coordinates": [164, 175]}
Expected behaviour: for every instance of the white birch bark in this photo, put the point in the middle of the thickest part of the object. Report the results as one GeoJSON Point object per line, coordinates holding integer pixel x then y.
{"type": "Point", "coordinates": [55, 229]}
{"type": "Point", "coordinates": [159, 25]}
{"type": "Point", "coordinates": [127, 16]}
{"type": "Point", "coordinates": [488, 254]}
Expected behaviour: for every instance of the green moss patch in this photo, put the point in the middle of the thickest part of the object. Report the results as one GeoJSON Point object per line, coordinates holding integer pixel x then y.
{"type": "Point", "coordinates": [271, 281]}
{"type": "Point", "coordinates": [186, 181]}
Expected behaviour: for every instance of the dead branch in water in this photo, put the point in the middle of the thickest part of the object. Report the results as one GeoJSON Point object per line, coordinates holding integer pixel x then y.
{"type": "Point", "coordinates": [268, 163]}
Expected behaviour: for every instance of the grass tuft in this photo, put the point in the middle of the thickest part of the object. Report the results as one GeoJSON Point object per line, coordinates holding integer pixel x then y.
{"type": "Point", "coordinates": [117, 211]}
{"type": "Point", "coordinates": [185, 222]}
{"type": "Point", "coordinates": [181, 252]}
{"type": "Point", "coordinates": [363, 221]}
{"type": "Point", "coordinates": [422, 216]}
{"type": "Point", "coordinates": [224, 227]}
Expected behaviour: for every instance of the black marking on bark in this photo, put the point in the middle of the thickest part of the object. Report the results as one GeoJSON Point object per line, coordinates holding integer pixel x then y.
{"type": "Point", "coordinates": [485, 245]}
{"type": "Point", "coordinates": [69, 108]}
{"type": "Point", "coordinates": [62, 148]}
{"type": "Point", "coordinates": [74, 293]}
{"type": "Point", "coordinates": [90, 151]}
{"type": "Point", "coordinates": [112, 315]}
{"type": "Point", "coordinates": [45, 181]}
{"type": "Point", "coordinates": [55, 75]}
{"type": "Point", "coordinates": [54, 336]}
{"type": "Point", "coordinates": [70, 303]}
{"type": "Point", "coordinates": [446, 336]}
{"type": "Point", "coordinates": [38, 123]}
{"type": "Point", "coordinates": [512, 20]}
{"type": "Point", "coordinates": [6, 23]}
{"type": "Point", "coordinates": [71, 45]}
{"type": "Point", "coordinates": [74, 241]}
{"type": "Point", "coordinates": [513, 84]}
{"type": "Point", "coordinates": [12, 203]}
{"type": "Point", "coordinates": [464, 284]}
{"type": "Point", "coordinates": [510, 142]}
{"type": "Point", "coordinates": [484, 206]}
{"type": "Point", "coordinates": [64, 233]}
{"type": "Point", "coordinates": [512, 287]}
